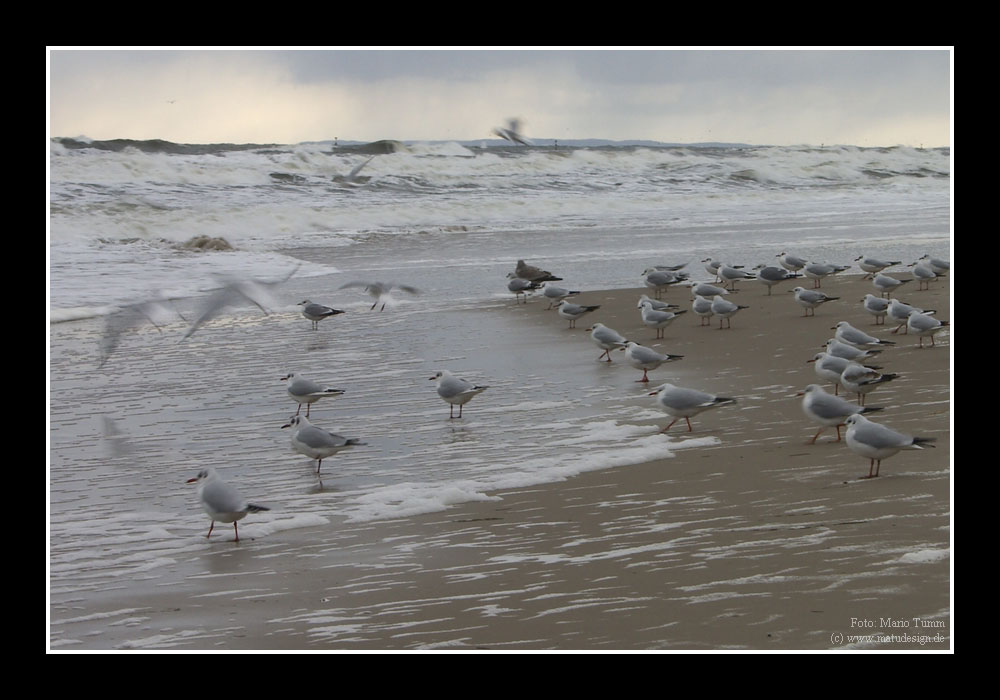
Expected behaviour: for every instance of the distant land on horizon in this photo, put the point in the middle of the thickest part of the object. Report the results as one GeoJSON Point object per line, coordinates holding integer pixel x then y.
{"type": "Point", "coordinates": [171, 146]}
{"type": "Point", "coordinates": [392, 145]}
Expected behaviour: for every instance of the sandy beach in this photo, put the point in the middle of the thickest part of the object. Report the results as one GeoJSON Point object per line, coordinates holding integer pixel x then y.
{"type": "Point", "coordinates": [746, 537]}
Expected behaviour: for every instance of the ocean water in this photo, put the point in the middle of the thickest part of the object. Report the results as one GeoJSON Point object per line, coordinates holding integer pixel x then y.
{"type": "Point", "coordinates": [449, 219]}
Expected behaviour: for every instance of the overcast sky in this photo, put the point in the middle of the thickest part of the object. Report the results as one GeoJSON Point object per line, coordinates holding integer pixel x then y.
{"type": "Point", "coordinates": [779, 97]}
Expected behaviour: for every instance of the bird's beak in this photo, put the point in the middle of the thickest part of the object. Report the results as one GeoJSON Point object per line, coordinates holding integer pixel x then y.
{"type": "Point", "coordinates": [287, 425]}
{"type": "Point", "coordinates": [283, 378]}
{"type": "Point", "coordinates": [191, 481]}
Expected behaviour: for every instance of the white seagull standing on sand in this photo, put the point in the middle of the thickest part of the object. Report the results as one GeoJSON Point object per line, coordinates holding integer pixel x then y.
{"type": "Point", "coordinates": [641, 357]}
{"type": "Point", "coordinates": [861, 380]}
{"type": "Point", "coordinates": [817, 271]}
{"type": "Point", "coordinates": [830, 367]}
{"type": "Point", "coordinates": [684, 403]}
{"type": "Point", "coordinates": [810, 299]}
{"type": "Point", "coordinates": [572, 312]}
{"type": "Point", "coordinates": [221, 501]}
{"type": "Point", "coordinates": [828, 410]}
{"type": "Point", "coordinates": [660, 280]}
{"type": "Point", "coordinates": [657, 305]}
{"type": "Point", "coordinates": [732, 275]}
{"type": "Point", "coordinates": [924, 325]}
{"type": "Point", "coordinates": [924, 274]}
{"type": "Point", "coordinates": [455, 391]}
{"type": "Point", "coordinates": [317, 312]}
{"type": "Point", "coordinates": [725, 309]}
{"type": "Point", "coordinates": [939, 266]}
{"type": "Point", "coordinates": [900, 313]}
{"type": "Point", "coordinates": [316, 443]}
{"type": "Point", "coordinates": [848, 352]}
{"type": "Point", "coordinates": [708, 290]}
{"type": "Point", "coordinates": [520, 287]}
{"type": "Point", "coordinates": [886, 284]}
{"type": "Point", "coordinates": [658, 319]}
{"type": "Point", "coordinates": [770, 275]}
{"type": "Point", "coordinates": [702, 307]}
{"type": "Point", "coordinates": [792, 263]}
{"type": "Point", "coordinates": [873, 265]}
{"type": "Point", "coordinates": [846, 333]}
{"type": "Point", "coordinates": [607, 338]}
{"type": "Point", "coordinates": [877, 442]}
{"type": "Point", "coordinates": [305, 391]}
{"type": "Point", "coordinates": [877, 307]}
{"type": "Point", "coordinates": [556, 294]}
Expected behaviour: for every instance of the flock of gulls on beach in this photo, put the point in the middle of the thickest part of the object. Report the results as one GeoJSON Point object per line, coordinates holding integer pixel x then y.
{"type": "Point", "coordinates": [844, 363]}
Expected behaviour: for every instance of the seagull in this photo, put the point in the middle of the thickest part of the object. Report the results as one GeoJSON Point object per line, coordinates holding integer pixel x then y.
{"type": "Point", "coordinates": [873, 265]}
{"type": "Point", "coordinates": [846, 333]}
{"type": "Point", "coordinates": [382, 291]}
{"type": "Point", "coordinates": [305, 391]}
{"type": "Point", "coordinates": [656, 304]}
{"type": "Point", "coordinates": [924, 325]}
{"type": "Point", "coordinates": [684, 403]}
{"type": "Point", "coordinates": [572, 312]}
{"type": "Point", "coordinates": [809, 299]}
{"type": "Point", "coordinates": [641, 357]}
{"type": "Point", "coordinates": [939, 266]}
{"type": "Point", "coordinates": [861, 380]}
{"type": "Point", "coordinates": [732, 275]}
{"type": "Point", "coordinates": [670, 268]}
{"type": "Point", "coordinates": [535, 274]}
{"type": "Point", "coordinates": [770, 275]}
{"type": "Point", "coordinates": [607, 338]}
{"type": "Point", "coordinates": [234, 292]}
{"type": "Point", "coordinates": [708, 291]}
{"type": "Point", "coordinates": [713, 267]}
{"type": "Point", "coordinates": [848, 352]}
{"type": "Point", "coordinates": [657, 319]}
{"type": "Point", "coordinates": [455, 391]}
{"type": "Point", "coordinates": [660, 280]}
{"type": "Point", "coordinates": [924, 274]}
{"type": "Point", "coordinates": [817, 271]}
{"type": "Point", "coordinates": [125, 319]}
{"type": "Point", "coordinates": [702, 307]}
{"type": "Point", "coordinates": [512, 132]}
{"type": "Point", "coordinates": [725, 309]}
{"type": "Point", "coordinates": [886, 284]}
{"type": "Point", "coordinates": [317, 312]}
{"type": "Point", "coordinates": [352, 177]}
{"type": "Point", "coordinates": [877, 442]}
{"type": "Point", "coordinates": [316, 443]}
{"type": "Point", "coordinates": [792, 263]}
{"type": "Point", "coordinates": [828, 410]}
{"type": "Point", "coordinates": [876, 306]}
{"type": "Point", "coordinates": [521, 287]}
{"type": "Point", "coordinates": [556, 294]}
{"type": "Point", "coordinates": [830, 367]}
{"type": "Point", "coordinates": [900, 313]}
{"type": "Point", "coordinates": [221, 501]}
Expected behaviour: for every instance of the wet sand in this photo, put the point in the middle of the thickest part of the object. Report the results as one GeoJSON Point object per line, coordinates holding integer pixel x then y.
{"type": "Point", "coordinates": [751, 538]}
